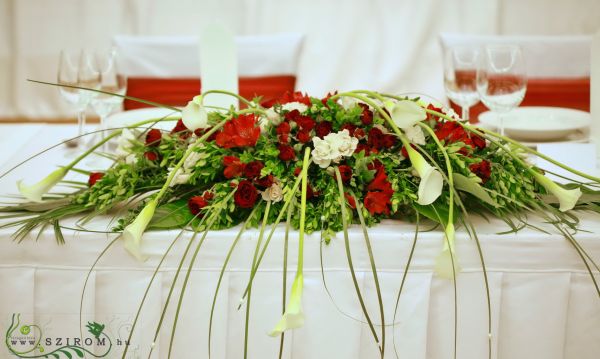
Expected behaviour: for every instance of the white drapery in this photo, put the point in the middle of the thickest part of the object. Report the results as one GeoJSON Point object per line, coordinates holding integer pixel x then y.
{"type": "Point", "coordinates": [380, 44]}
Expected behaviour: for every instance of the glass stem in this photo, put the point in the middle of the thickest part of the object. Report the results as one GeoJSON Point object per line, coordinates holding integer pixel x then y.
{"type": "Point", "coordinates": [465, 113]}
{"type": "Point", "coordinates": [80, 121]}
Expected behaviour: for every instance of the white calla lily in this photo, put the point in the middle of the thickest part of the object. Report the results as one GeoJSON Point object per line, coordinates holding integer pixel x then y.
{"type": "Point", "coordinates": [567, 198]}
{"type": "Point", "coordinates": [430, 187]}
{"type": "Point", "coordinates": [293, 317]}
{"type": "Point", "coordinates": [35, 192]}
{"type": "Point", "coordinates": [194, 115]}
{"type": "Point", "coordinates": [444, 261]}
{"type": "Point", "coordinates": [406, 113]}
{"type": "Point", "coordinates": [132, 234]}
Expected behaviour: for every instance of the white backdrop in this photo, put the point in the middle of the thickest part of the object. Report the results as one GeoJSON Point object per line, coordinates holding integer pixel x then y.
{"type": "Point", "coordinates": [379, 44]}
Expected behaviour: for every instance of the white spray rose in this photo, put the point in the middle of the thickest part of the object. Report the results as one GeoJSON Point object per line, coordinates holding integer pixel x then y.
{"type": "Point", "coordinates": [180, 177]}
{"type": "Point", "coordinates": [273, 117]}
{"type": "Point", "coordinates": [333, 147]}
{"type": "Point", "coordinates": [273, 193]}
{"type": "Point", "coordinates": [291, 106]}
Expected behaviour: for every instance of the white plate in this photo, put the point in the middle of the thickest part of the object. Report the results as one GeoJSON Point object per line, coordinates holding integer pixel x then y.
{"type": "Point", "coordinates": [127, 118]}
{"type": "Point", "coordinates": [539, 123]}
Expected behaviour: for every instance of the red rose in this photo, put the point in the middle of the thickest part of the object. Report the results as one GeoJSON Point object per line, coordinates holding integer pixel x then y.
{"type": "Point", "coordinates": [292, 115]}
{"type": "Point", "coordinates": [478, 141]}
{"type": "Point", "coordinates": [181, 130]}
{"type": "Point", "coordinates": [233, 167]}
{"type": "Point", "coordinates": [252, 169]}
{"type": "Point", "coordinates": [264, 182]}
{"type": "Point", "coordinates": [297, 171]}
{"type": "Point", "coordinates": [345, 173]}
{"type": "Point", "coordinates": [375, 165]}
{"type": "Point", "coordinates": [208, 195]}
{"type": "Point", "coordinates": [362, 147]}
{"type": "Point", "coordinates": [306, 123]}
{"type": "Point", "coordinates": [351, 201]}
{"type": "Point", "coordinates": [376, 138]}
{"type": "Point", "coordinates": [283, 128]}
{"type": "Point", "coordinates": [153, 137]}
{"type": "Point", "coordinates": [366, 116]}
{"type": "Point", "coordinates": [239, 132]}
{"type": "Point", "coordinates": [482, 169]}
{"type": "Point", "coordinates": [150, 156]}
{"type": "Point", "coordinates": [359, 133]}
{"type": "Point", "coordinates": [350, 127]}
{"type": "Point", "coordinates": [323, 128]}
{"type": "Point", "coordinates": [437, 109]}
{"type": "Point", "coordinates": [283, 139]}
{"type": "Point", "coordinates": [246, 194]}
{"type": "Point", "coordinates": [286, 153]}
{"type": "Point", "coordinates": [196, 203]}
{"type": "Point", "coordinates": [378, 202]}
{"type": "Point", "coordinates": [94, 177]}
{"type": "Point", "coordinates": [303, 136]}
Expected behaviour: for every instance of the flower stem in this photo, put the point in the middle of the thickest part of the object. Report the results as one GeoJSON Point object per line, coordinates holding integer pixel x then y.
{"type": "Point", "coordinates": [241, 98]}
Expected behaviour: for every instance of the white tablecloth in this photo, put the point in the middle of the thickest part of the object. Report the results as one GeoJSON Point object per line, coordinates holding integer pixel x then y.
{"type": "Point", "coordinates": [543, 301]}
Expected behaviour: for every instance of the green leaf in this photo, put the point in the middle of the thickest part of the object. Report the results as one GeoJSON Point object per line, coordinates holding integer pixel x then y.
{"type": "Point", "coordinates": [436, 212]}
{"type": "Point", "coordinates": [77, 351]}
{"type": "Point", "coordinates": [66, 353]}
{"type": "Point", "coordinates": [171, 215]}
{"type": "Point", "coordinates": [466, 184]}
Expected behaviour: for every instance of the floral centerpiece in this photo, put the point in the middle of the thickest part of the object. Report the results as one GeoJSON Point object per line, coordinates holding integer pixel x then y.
{"type": "Point", "coordinates": [317, 164]}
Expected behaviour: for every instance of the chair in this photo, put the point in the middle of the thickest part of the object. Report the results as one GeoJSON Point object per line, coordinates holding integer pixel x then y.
{"type": "Point", "coordinates": [167, 70]}
{"type": "Point", "coordinates": [558, 68]}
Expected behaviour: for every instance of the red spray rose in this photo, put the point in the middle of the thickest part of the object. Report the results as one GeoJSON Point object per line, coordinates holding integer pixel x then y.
{"type": "Point", "coordinates": [150, 156]}
{"type": "Point", "coordinates": [264, 182]}
{"type": "Point", "coordinates": [246, 194]}
{"type": "Point", "coordinates": [297, 171]}
{"type": "Point", "coordinates": [181, 130]}
{"type": "Point", "coordinates": [305, 123]}
{"type": "Point", "coordinates": [303, 136]}
{"type": "Point", "coordinates": [323, 128]}
{"type": "Point", "coordinates": [94, 177]}
{"type": "Point", "coordinates": [363, 147]}
{"type": "Point", "coordinates": [153, 137]}
{"type": "Point", "coordinates": [196, 203]}
{"type": "Point", "coordinates": [378, 139]}
{"type": "Point", "coordinates": [233, 167]}
{"type": "Point", "coordinates": [366, 116]}
{"type": "Point", "coordinates": [239, 132]}
{"type": "Point", "coordinates": [350, 127]}
{"type": "Point", "coordinates": [286, 153]}
{"type": "Point", "coordinates": [283, 128]}
{"type": "Point", "coordinates": [380, 183]}
{"type": "Point", "coordinates": [345, 173]}
{"type": "Point", "coordinates": [201, 131]}
{"type": "Point", "coordinates": [252, 169]}
{"type": "Point", "coordinates": [482, 169]}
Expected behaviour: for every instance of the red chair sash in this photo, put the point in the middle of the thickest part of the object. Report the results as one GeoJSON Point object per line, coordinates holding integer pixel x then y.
{"type": "Point", "coordinates": [556, 92]}
{"type": "Point", "coordinates": [177, 92]}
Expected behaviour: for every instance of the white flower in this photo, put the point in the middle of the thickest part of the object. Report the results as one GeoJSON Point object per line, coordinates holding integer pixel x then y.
{"type": "Point", "coordinates": [132, 234]}
{"type": "Point", "coordinates": [447, 259]}
{"type": "Point", "coordinates": [130, 159]}
{"type": "Point", "coordinates": [321, 152]}
{"type": "Point", "coordinates": [125, 143]}
{"type": "Point", "coordinates": [566, 197]}
{"type": "Point", "coordinates": [333, 147]}
{"type": "Point", "coordinates": [430, 187]}
{"type": "Point", "coordinates": [180, 177]}
{"type": "Point", "coordinates": [293, 316]}
{"type": "Point", "coordinates": [415, 134]}
{"type": "Point", "coordinates": [191, 160]}
{"type": "Point", "coordinates": [273, 193]}
{"type": "Point", "coordinates": [291, 106]}
{"type": "Point", "coordinates": [194, 115]}
{"type": "Point", "coordinates": [406, 113]}
{"type": "Point", "coordinates": [273, 117]}
{"type": "Point", "coordinates": [348, 102]}
{"type": "Point", "coordinates": [36, 191]}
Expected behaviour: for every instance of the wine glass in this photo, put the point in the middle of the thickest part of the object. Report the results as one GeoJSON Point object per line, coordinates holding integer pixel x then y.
{"type": "Point", "coordinates": [460, 76]}
{"type": "Point", "coordinates": [502, 79]}
{"type": "Point", "coordinates": [111, 81]}
{"type": "Point", "coordinates": [77, 68]}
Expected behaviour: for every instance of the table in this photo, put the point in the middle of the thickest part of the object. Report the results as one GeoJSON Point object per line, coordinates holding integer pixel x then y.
{"type": "Point", "coordinates": [543, 301]}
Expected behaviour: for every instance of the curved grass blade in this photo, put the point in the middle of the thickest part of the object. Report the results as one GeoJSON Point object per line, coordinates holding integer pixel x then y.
{"type": "Point", "coordinates": [225, 262]}
{"type": "Point", "coordinates": [284, 279]}
{"type": "Point", "coordinates": [342, 202]}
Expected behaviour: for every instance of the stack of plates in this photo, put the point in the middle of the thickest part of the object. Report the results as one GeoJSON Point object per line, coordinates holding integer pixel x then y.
{"type": "Point", "coordinates": [534, 125]}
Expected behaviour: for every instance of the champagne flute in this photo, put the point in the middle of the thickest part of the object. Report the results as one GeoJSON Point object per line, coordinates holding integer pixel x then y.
{"type": "Point", "coordinates": [111, 81]}
{"type": "Point", "coordinates": [502, 80]}
{"type": "Point", "coordinates": [460, 77]}
{"type": "Point", "coordinates": [76, 68]}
